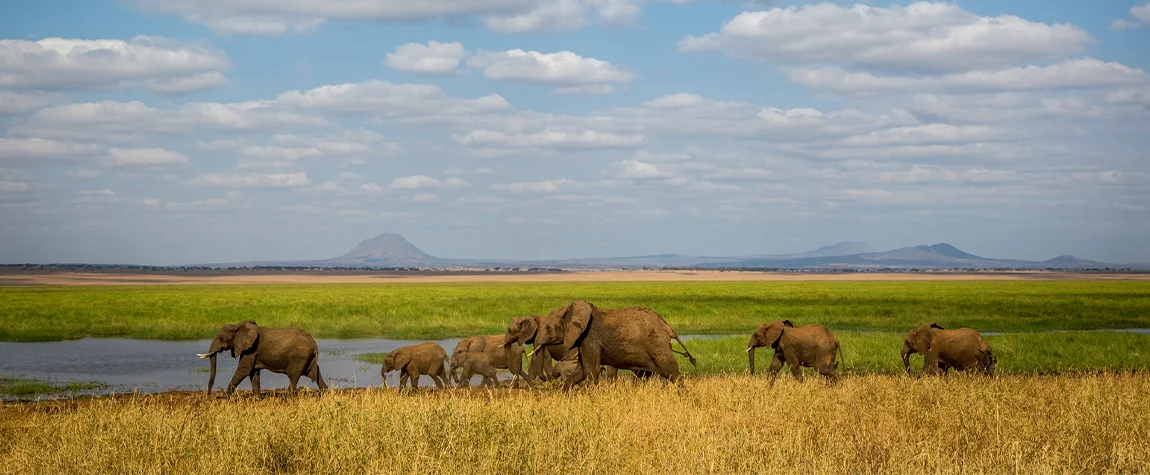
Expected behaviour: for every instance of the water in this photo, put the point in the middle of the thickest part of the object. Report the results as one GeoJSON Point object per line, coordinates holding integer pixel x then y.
{"type": "Point", "coordinates": [147, 366]}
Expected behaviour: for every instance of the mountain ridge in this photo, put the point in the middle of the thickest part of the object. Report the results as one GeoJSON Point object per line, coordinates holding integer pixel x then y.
{"type": "Point", "coordinates": [393, 250]}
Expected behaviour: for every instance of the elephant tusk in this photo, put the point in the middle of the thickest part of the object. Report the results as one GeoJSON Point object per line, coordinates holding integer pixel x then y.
{"type": "Point", "coordinates": [203, 355]}
{"type": "Point", "coordinates": [750, 348]}
{"type": "Point", "coordinates": [537, 348]}
{"type": "Point", "coordinates": [501, 345]}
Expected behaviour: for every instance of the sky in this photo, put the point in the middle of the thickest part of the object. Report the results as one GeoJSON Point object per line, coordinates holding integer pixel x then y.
{"type": "Point", "coordinates": [193, 131]}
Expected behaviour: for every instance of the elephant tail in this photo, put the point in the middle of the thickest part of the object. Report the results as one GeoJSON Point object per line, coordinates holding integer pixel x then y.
{"type": "Point", "coordinates": [838, 354]}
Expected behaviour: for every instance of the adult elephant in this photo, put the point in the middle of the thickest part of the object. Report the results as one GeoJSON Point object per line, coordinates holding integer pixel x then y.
{"type": "Point", "coordinates": [289, 351]}
{"type": "Point", "coordinates": [543, 365]}
{"type": "Point", "coordinates": [942, 349]}
{"type": "Point", "coordinates": [812, 346]}
{"type": "Point", "coordinates": [632, 338]}
{"type": "Point", "coordinates": [509, 357]}
{"type": "Point", "coordinates": [413, 360]}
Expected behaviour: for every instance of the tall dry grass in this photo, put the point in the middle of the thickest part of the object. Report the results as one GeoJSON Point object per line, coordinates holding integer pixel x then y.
{"type": "Point", "coordinates": [874, 424]}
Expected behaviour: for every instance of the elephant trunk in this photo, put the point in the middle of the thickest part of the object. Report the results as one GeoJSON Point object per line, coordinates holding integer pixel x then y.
{"type": "Point", "coordinates": [906, 358]}
{"type": "Point", "coordinates": [751, 358]}
{"type": "Point", "coordinates": [212, 374]}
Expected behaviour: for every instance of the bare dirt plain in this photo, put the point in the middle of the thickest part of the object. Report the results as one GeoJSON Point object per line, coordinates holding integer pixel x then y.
{"type": "Point", "coordinates": [46, 278]}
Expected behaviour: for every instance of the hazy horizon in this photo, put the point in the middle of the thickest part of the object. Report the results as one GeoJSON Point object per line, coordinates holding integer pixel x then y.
{"type": "Point", "coordinates": [166, 132]}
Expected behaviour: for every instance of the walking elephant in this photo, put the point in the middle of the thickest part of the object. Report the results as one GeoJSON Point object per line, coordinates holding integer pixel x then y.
{"type": "Point", "coordinates": [522, 331]}
{"type": "Point", "coordinates": [413, 360]}
{"type": "Point", "coordinates": [942, 349]}
{"type": "Point", "coordinates": [478, 363]}
{"type": "Point", "coordinates": [812, 346]}
{"type": "Point", "coordinates": [632, 338]}
{"type": "Point", "coordinates": [289, 351]}
{"type": "Point", "coordinates": [503, 357]}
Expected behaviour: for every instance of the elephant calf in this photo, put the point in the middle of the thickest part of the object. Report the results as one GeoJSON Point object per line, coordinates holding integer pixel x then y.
{"type": "Point", "coordinates": [509, 357]}
{"type": "Point", "coordinates": [413, 360]}
{"type": "Point", "coordinates": [943, 349]}
{"type": "Point", "coordinates": [481, 364]}
{"type": "Point", "coordinates": [811, 345]}
{"type": "Point", "coordinates": [289, 351]}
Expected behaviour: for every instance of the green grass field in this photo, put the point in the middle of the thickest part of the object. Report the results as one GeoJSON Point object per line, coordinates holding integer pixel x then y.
{"type": "Point", "coordinates": [432, 311]}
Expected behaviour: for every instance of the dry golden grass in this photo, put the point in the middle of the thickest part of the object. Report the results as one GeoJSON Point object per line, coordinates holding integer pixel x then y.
{"type": "Point", "coordinates": [1096, 423]}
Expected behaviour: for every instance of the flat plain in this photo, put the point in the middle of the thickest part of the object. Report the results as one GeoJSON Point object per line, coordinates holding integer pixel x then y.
{"type": "Point", "coordinates": [1070, 395]}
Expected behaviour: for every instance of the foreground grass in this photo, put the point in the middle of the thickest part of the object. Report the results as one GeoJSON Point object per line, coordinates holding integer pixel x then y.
{"type": "Point", "coordinates": [433, 311]}
{"type": "Point", "coordinates": [883, 424]}
{"type": "Point", "coordinates": [24, 387]}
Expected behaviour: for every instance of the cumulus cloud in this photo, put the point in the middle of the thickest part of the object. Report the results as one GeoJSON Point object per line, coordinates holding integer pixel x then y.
{"type": "Point", "coordinates": [920, 37]}
{"type": "Point", "coordinates": [538, 187]}
{"type": "Point", "coordinates": [562, 68]}
{"type": "Point", "coordinates": [432, 59]}
{"type": "Point", "coordinates": [549, 15]}
{"type": "Point", "coordinates": [13, 103]}
{"type": "Point", "coordinates": [1078, 73]}
{"type": "Point", "coordinates": [407, 101]}
{"type": "Point", "coordinates": [251, 180]}
{"type": "Point", "coordinates": [1138, 17]}
{"type": "Point", "coordinates": [422, 182]}
{"type": "Point", "coordinates": [550, 138]}
{"type": "Point", "coordinates": [588, 90]}
{"type": "Point", "coordinates": [39, 150]}
{"type": "Point", "coordinates": [637, 170]}
{"type": "Point", "coordinates": [161, 65]}
{"type": "Point", "coordinates": [144, 158]}
{"type": "Point", "coordinates": [356, 146]}
{"type": "Point", "coordinates": [13, 186]}
{"type": "Point", "coordinates": [118, 121]}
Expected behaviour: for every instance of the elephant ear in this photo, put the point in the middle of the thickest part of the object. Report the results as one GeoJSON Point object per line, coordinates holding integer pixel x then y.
{"type": "Point", "coordinates": [774, 333]}
{"type": "Point", "coordinates": [527, 329]}
{"type": "Point", "coordinates": [787, 323]}
{"type": "Point", "coordinates": [246, 336]}
{"type": "Point", "coordinates": [936, 326]}
{"type": "Point", "coordinates": [924, 338]}
{"type": "Point", "coordinates": [401, 360]}
{"type": "Point", "coordinates": [578, 321]}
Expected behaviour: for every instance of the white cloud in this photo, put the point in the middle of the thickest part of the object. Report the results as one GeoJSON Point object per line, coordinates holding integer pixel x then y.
{"type": "Point", "coordinates": [272, 17]}
{"type": "Point", "coordinates": [538, 187]}
{"type": "Point", "coordinates": [1139, 16]}
{"type": "Point", "coordinates": [1139, 97]}
{"type": "Point", "coordinates": [432, 59]}
{"type": "Point", "coordinates": [36, 149]}
{"type": "Point", "coordinates": [587, 90]}
{"type": "Point", "coordinates": [929, 134]}
{"type": "Point", "coordinates": [13, 186]}
{"type": "Point", "coordinates": [549, 15]}
{"type": "Point", "coordinates": [425, 198]}
{"type": "Point", "coordinates": [921, 37]}
{"type": "Point", "coordinates": [252, 180]}
{"type": "Point", "coordinates": [144, 158]}
{"type": "Point", "coordinates": [550, 138]}
{"type": "Point", "coordinates": [103, 192]}
{"type": "Point", "coordinates": [562, 68]}
{"type": "Point", "coordinates": [635, 169]}
{"type": "Point", "coordinates": [420, 182]}
{"type": "Point", "coordinates": [355, 146]}
{"type": "Point", "coordinates": [1079, 73]}
{"type": "Point", "coordinates": [162, 65]}
{"type": "Point", "coordinates": [371, 187]}
{"type": "Point", "coordinates": [83, 173]}
{"type": "Point", "coordinates": [120, 121]}
{"type": "Point", "coordinates": [12, 103]}
{"type": "Point", "coordinates": [151, 202]}
{"type": "Point", "coordinates": [405, 101]}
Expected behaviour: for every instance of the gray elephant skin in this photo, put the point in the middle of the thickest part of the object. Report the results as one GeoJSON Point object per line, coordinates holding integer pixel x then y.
{"type": "Point", "coordinates": [289, 351]}
{"type": "Point", "coordinates": [962, 349]}
{"type": "Point", "coordinates": [631, 338]}
{"type": "Point", "coordinates": [414, 360]}
{"type": "Point", "coordinates": [478, 363]}
{"type": "Point", "coordinates": [508, 357]}
{"type": "Point", "coordinates": [811, 346]}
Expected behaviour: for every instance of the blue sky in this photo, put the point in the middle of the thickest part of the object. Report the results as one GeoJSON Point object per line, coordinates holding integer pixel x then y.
{"type": "Point", "coordinates": [171, 132]}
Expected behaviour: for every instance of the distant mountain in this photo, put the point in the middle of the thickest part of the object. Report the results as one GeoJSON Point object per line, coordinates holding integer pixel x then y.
{"type": "Point", "coordinates": [392, 250]}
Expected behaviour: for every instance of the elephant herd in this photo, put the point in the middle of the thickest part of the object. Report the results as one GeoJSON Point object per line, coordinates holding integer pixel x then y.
{"type": "Point", "coordinates": [575, 343]}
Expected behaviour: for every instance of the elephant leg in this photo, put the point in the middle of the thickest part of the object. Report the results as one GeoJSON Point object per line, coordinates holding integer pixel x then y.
{"type": "Point", "coordinates": [437, 380]}
{"type": "Point", "coordinates": [256, 382]}
{"type": "Point", "coordinates": [415, 379]}
{"type": "Point", "coordinates": [293, 381]}
{"type": "Point", "coordinates": [314, 375]}
{"type": "Point", "coordinates": [930, 363]}
{"type": "Point", "coordinates": [591, 365]}
{"type": "Point", "coordinates": [776, 366]}
{"type": "Point", "coordinates": [465, 380]}
{"type": "Point", "coordinates": [244, 369]}
{"type": "Point", "coordinates": [403, 379]}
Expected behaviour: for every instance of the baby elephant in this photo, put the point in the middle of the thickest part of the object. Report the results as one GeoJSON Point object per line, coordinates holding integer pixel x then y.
{"type": "Point", "coordinates": [812, 346]}
{"type": "Point", "coordinates": [943, 349]}
{"type": "Point", "coordinates": [411, 361]}
{"type": "Point", "coordinates": [477, 363]}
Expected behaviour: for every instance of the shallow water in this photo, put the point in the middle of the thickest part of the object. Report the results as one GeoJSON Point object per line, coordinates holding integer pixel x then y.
{"type": "Point", "coordinates": [147, 366]}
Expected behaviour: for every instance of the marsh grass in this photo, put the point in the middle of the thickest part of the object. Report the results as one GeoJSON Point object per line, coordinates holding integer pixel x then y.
{"type": "Point", "coordinates": [1084, 423]}
{"type": "Point", "coordinates": [435, 311]}
{"type": "Point", "coordinates": [23, 387]}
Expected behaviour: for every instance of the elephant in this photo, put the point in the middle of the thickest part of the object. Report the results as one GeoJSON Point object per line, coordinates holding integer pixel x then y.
{"type": "Point", "coordinates": [413, 360]}
{"type": "Point", "coordinates": [632, 338]}
{"type": "Point", "coordinates": [523, 330]}
{"type": "Point", "coordinates": [481, 364]}
{"type": "Point", "coordinates": [571, 368]}
{"type": "Point", "coordinates": [942, 349]}
{"type": "Point", "coordinates": [503, 357]}
{"type": "Point", "coordinates": [810, 345]}
{"type": "Point", "coordinates": [290, 351]}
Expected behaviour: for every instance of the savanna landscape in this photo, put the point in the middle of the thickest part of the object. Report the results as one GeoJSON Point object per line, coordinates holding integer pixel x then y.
{"type": "Point", "coordinates": [1068, 394]}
